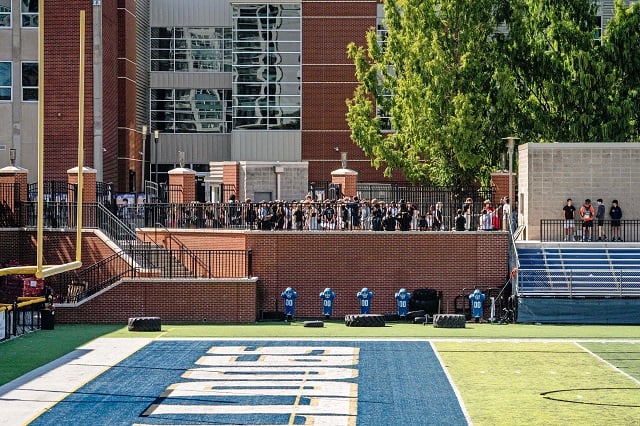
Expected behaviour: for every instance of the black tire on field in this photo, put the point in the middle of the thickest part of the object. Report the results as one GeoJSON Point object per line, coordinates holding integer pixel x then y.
{"type": "Point", "coordinates": [347, 320]}
{"type": "Point", "coordinates": [390, 317]}
{"type": "Point", "coordinates": [449, 321]}
{"type": "Point", "coordinates": [313, 324]}
{"type": "Point", "coordinates": [419, 320]}
{"type": "Point", "coordinates": [413, 314]}
{"type": "Point", "coordinates": [145, 324]}
{"type": "Point", "coordinates": [367, 320]}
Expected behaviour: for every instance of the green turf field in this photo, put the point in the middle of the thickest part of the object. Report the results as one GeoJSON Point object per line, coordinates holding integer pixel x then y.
{"type": "Point", "coordinates": [394, 330]}
{"type": "Point", "coordinates": [23, 354]}
{"type": "Point", "coordinates": [506, 374]}
{"type": "Point", "coordinates": [543, 383]}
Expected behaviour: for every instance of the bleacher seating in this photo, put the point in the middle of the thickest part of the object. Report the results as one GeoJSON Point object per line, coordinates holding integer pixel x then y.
{"type": "Point", "coordinates": [583, 270]}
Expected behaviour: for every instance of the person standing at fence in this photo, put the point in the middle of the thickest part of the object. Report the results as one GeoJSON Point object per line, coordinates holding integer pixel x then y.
{"type": "Point", "coordinates": [506, 215]}
{"type": "Point", "coordinates": [600, 212]}
{"type": "Point", "coordinates": [376, 217]}
{"type": "Point", "coordinates": [298, 217]}
{"type": "Point", "coordinates": [587, 213]}
{"type": "Point", "coordinates": [461, 221]}
{"type": "Point", "coordinates": [615, 212]}
{"type": "Point", "coordinates": [365, 215]}
{"type": "Point", "coordinates": [354, 212]}
{"type": "Point", "coordinates": [467, 212]}
{"type": "Point", "coordinates": [568, 211]}
{"type": "Point", "coordinates": [329, 216]}
{"type": "Point", "coordinates": [438, 218]}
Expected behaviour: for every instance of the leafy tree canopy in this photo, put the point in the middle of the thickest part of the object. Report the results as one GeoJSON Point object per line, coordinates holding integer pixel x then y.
{"type": "Point", "coordinates": [455, 76]}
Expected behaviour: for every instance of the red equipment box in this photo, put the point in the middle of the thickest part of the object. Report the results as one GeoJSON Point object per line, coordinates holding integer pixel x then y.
{"type": "Point", "coordinates": [32, 287]}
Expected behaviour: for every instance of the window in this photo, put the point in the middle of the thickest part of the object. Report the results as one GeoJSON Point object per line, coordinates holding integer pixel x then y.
{"type": "Point", "coordinates": [5, 81]}
{"type": "Point", "coordinates": [5, 13]}
{"type": "Point", "coordinates": [29, 81]}
{"type": "Point", "coordinates": [191, 110]}
{"type": "Point", "coordinates": [597, 30]}
{"type": "Point", "coordinates": [30, 13]}
{"type": "Point", "coordinates": [267, 66]}
{"type": "Point", "coordinates": [187, 49]}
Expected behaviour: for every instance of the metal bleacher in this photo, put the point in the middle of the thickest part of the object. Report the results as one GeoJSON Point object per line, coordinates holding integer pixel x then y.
{"type": "Point", "coordinates": [578, 269]}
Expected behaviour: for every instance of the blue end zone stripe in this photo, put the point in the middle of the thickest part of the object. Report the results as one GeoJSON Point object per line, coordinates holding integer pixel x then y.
{"type": "Point", "coordinates": [399, 382]}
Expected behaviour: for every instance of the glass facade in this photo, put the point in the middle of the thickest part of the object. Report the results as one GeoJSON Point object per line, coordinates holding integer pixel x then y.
{"type": "Point", "coordinates": [29, 81]}
{"type": "Point", "coordinates": [267, 67]}
{"type": "Point", "coordinates": [191, 110]}
{"type": "Point", "coordinates": [29, 13]}
{"type": "Point", "coordinates": [191, 49]}
{"type": "Point", "coordinates": [5, 81]}
{"type": "Point", "coordinates": [5, 13]}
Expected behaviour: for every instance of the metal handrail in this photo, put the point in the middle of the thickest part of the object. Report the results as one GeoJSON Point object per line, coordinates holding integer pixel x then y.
{"type": "Point", "coordinates": [579, 282]}
{"type": "Point", "coordinates": [195, 260]}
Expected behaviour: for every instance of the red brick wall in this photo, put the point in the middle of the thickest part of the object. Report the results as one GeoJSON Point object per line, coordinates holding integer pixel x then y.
{"type": "Point", "coordinates": [500, 182]}
{"type": "Point", "coordinates": [61, 67]}
{"type": "Point", "coordinates": [231, 176]}
{"type": "Point", "coordinates": [384, 262]}
{"type": "Point", "coordinates": [307, 261]}
{"type": "Point", "coordinates": [172, 301]}
{"type": "Point", "coordinates": [10, 246]}
{"type": "Point", "coordinates": [59, 247]}
{"type": "Point", "coordinates": [328, 80]}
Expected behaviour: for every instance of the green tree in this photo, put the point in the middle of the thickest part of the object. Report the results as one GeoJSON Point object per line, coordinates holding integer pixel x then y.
{"type": "Point", "coordinates": [452, 77]}
{"type": "Point", "coordinates": [564, 86]}
{"type": "Point", "coordinates": [621, 44]}
{"type": "Point", "coordinates": [434, 75]}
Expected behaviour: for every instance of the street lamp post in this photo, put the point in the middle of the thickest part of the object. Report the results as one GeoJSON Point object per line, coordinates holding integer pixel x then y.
{"type": "Point", "coordinates": [156, 138]}
{"type": "Point", "coordinates": [511, 141]}
{"type": "Point", "coordinates": [12, 157]}
{"type": "Point", "coordinates": [144, 156]}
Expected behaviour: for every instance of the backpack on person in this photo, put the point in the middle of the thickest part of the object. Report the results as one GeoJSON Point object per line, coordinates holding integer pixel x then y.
{"type": "Point", "coordinates": [587, 213]}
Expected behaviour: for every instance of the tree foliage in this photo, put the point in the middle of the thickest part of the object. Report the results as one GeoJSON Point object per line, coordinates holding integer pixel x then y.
{"type": "Point", "coordinates": [621, 47]}
{"type": "Point", "coordinates": [455, 76]}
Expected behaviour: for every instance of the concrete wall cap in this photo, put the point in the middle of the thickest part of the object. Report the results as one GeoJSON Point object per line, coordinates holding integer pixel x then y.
{"type": "Point", "coordinates": [344, 172]}
{"type": "Point", "coordinates": [181, 171]}
{"type": "Point", "coordinates": [9, 170]}
{"type": "Point", "coordinates": [84, 170]}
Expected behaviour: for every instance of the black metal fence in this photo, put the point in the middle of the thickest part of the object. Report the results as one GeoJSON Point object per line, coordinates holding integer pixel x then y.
{"type": "Point", "coordinates": [20, 318]}
{"type": "Point", "coordinates": [73, 286]}
{"type": "Point", "coordinates": [556, 230]}
{"type": "Point", "coordinates": [423, 197]}
{"type": "Point", "coordinates": [10, 205]}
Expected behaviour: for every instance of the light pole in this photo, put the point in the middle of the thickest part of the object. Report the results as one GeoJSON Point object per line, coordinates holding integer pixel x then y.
{"type": "Point", "coordinates": [12, 157]}
{"type": "Point", "coordinates": [144, 156]}
{"type": "Point", "coordinates": [511, 141]}
{"type": "Point", "coordinates": [156, 138]}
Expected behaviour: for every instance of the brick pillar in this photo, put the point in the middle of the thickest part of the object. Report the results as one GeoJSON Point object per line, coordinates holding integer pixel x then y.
{"type": "Point", "coordinates": [12, 175]}
{"type": "Point", "coordinates": [500, 182]}
{"type": "Point", "coordinates": [186, 180]}
{"type": "Point", "coordinates": [231, 178]}
{"type": "Point", "coordinates": [88, 184]}
{"type": "Point", "coordinates": [348, 179]}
